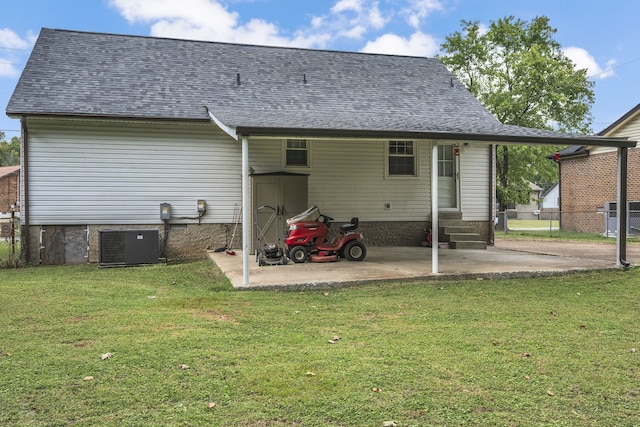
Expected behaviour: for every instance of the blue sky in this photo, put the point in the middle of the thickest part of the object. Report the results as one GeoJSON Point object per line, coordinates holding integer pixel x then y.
{"type": "Point", "coordinates": [601, 36]}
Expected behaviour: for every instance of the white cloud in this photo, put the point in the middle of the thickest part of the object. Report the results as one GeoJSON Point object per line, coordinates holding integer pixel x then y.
{"type": "Point", "coordinates": [584, 60]}
{"type": "Point", "coordinates": [207, 20]}
{"type": "Point", "coordinates": [375, 18]}
{"type": "Point", "coordinates": [346, 5]}
{"type": "Point", "coordinates": [9, 39]}
{"type": "Point", "coordinates": [418, 10]}
{"type": "Point", "coordinates": [419, 44]}
{"type": "Point", "coordinates": [12, 43]}
{"type": "Point", "coordinates": [7, 69]}
{"type": "Point", "coordinates": [352, 19]}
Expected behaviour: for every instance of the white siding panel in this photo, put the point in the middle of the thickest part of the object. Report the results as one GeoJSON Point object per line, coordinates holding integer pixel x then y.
{"type": "Point", "coordinates": [475, 182]}
{"type": "Point", "coordinates": [630, 129]}
{"type": "Point", "coordinates": [119, 173]}
{"type": "Point", "coordinates": [348, 179]}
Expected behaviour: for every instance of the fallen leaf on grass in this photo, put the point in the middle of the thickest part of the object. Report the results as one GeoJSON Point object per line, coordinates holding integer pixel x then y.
{"type": "Point", "coordinates": [526, 355]}
{"type": "Point", "coordinates": [88, 378]}
{"type": "Point", "coordinates": [152, 297]}
{"type": "Point", "coordinates": [527, 377]}
{"type": "Point", "coordinates": [310, 374]}
{"type": "Point", "coordinates": [550, 393]}
{"type": "Point", "coordinates": [212, 405]}
{"type": "Point", "coordinates": [335, 338]}
{"type": "Point", "coordinates": [183, 367]}
{"type": "Point", "coordinates": [106, 356]}
{"type": "Point", "coordinates": [376, 389]}
{"type": "Point", "coordinates": [331, 342]}
{"type": "Point", "coordinates": [389, 424]}
{"type": "Point", "coordinates": [326, 294]}
{"type": "Point", "coordinates": [634, 350]}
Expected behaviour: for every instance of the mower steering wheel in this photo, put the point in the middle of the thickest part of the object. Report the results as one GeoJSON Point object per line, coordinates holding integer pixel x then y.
{"type": "Point", "coordinates": [326, 219]}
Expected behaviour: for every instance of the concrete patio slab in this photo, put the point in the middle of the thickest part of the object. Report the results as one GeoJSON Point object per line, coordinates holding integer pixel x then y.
{"type": "Point", "coordinates": [509, 258]}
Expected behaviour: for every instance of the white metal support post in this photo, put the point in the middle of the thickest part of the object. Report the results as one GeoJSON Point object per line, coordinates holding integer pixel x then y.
{"type": "Point", "coordinates": [621, 209]}
{"type": "Point", "coordinates": [434, 209]}
{"type": "Point", "coordinates": [245, 209]}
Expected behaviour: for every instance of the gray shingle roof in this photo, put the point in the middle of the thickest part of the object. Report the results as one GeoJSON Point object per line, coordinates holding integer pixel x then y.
{"type": "Point", "coordinates": [74, 73]}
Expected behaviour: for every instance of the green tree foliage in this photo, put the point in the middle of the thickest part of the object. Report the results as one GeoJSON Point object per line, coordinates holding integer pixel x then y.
{"type": "Point", "coordinates": [9, 151]}
{"type": "Point", "coordinates": [519, 73]}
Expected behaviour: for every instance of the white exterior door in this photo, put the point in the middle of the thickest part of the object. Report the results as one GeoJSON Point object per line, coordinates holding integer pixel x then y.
{"type": "Point", "coordinates": [447, 178]}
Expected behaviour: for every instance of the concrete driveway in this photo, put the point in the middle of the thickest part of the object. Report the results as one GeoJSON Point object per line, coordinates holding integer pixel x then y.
{"type": "Point", "coordinates": [508, 258]}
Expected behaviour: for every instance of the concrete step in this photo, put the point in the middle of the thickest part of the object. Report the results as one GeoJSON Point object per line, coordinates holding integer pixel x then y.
{"type": "Point", "coordinates": [453, 229]}
{"type": "Point", "coordinates": [464, 237]}
{"type": "Point", "coordinates": [468, 245]}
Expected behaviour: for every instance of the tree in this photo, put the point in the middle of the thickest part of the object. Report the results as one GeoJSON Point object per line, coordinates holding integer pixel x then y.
{"type": "Point", "coordinates": [518, 71]}
{"type": "Point", "coordinates": [9, 152]}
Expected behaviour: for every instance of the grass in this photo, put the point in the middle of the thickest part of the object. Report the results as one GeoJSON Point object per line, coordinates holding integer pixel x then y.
{"type": "Point", "coordinates": [524, 224]}
{"type": "Point", "coordinates": [552, 351]}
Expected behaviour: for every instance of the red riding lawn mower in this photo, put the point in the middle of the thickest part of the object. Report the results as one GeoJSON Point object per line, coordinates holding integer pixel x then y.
{"type": "Point", "coordinates": [306, 239]}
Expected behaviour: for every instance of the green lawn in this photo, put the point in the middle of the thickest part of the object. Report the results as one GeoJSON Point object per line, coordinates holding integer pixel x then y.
{"type": "Point", "coordinates": [188, 350]}
{"type": "Point", "coordinates": [524, 224]}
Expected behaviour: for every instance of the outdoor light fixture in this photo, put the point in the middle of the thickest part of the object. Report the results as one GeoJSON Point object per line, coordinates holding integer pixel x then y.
{"type": "Point", "coordinates": [202, 206]}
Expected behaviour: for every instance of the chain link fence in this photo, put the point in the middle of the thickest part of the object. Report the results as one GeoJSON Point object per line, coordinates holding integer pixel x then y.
{"type": "Point", "coordinates": [9, 241]}
{"type": "Point", "coordinates": [602, 222]}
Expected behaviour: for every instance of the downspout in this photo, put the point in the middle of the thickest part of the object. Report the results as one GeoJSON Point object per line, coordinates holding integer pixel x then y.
{"type": "Point", "coordinates": [492, 213]}
{"type": "Point", "coordinates": [434, 208]}
{"type": "Point", "coordinates": [24, 208]}
{"type": "Point", "coordinates": [621, 217]}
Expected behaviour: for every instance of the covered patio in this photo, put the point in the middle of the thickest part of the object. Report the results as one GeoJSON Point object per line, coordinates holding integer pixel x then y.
{"type": "Point", "coordinates": [508, 258]}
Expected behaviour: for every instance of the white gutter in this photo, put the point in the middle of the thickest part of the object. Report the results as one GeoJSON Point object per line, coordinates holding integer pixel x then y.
{"type": "Point", "coordinates": [226, 129]}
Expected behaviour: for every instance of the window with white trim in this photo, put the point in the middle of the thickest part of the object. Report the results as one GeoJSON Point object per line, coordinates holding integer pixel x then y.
{"type": "Point", "coordinates": [401, 159]}
{"type": "Point", "coordinates": [297, 153]}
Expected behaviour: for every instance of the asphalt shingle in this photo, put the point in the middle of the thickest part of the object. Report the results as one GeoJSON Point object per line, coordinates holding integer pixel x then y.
{"type": "Point", "coordinates": [74, 73]}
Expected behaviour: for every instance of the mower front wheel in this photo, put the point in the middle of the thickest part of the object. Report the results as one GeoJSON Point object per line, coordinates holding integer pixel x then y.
{"type": "Point", "coordinates": [355, 251]}
{"type": "Point", "coordinates": [299, 254]}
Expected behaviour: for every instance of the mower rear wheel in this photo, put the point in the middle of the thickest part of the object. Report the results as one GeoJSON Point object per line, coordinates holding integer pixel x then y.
{"type": "Point", "coordinates": [299, 254]}
{"type": "Point", "coordinates": [355, 251]}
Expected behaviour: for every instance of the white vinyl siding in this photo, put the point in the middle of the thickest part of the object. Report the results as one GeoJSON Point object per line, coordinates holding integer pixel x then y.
{"type": "Point", "coordinates": [347, 179]}
{"type": "Point", "coordinates": [99, 172]}
{"type": "Point", "coordinates": [630, 129]}
{"type": "Point", "coordinates": [108, 172]}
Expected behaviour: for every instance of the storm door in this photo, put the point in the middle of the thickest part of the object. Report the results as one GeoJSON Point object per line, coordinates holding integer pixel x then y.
{"type": "Point", "coordinates": [447, 178]}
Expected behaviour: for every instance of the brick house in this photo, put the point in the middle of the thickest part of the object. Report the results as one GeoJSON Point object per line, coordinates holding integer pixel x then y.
{"type": "Point", "coordinates": [9, 185]}
{"type": "Point", "coordinates": [588, 180]}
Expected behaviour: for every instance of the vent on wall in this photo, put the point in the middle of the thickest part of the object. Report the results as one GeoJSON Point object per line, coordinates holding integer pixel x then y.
{"type": "Point", "coordinates": [128, 247]}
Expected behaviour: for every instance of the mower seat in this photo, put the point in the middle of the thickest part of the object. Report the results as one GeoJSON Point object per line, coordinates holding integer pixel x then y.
{"type": "Point", "coordinates": [353, 225]}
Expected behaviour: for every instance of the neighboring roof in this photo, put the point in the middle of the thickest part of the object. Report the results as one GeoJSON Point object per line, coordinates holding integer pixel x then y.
{"type": "Point", "coordinates": [571, 152]}
{"type": "Point", "coordinates": [628, 115]}
{"type": "Point", "coordinates": [282, 91]}
{"type": "Point", "coordinates": [549, 190]}
{"type": "Point", "coordinates": [535, 187]}
{"type": "Point", "coordinates": [8, 170]}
